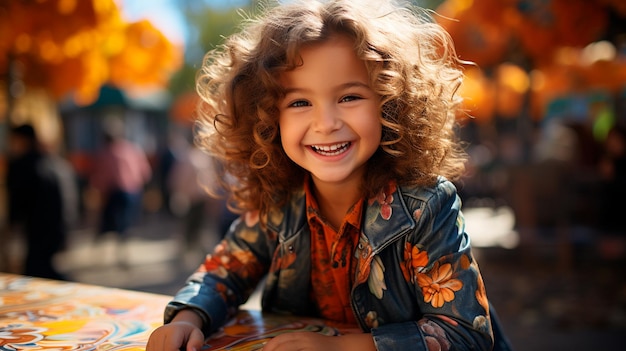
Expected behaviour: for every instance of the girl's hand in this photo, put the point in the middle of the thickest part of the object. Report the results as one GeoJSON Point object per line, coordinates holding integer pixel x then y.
{"type": "Point", "coordinates": [183, 333]}
{"type": "Point", "coordinates": [309, 341]}
{"type": "Point", "coordinates": [176, 336]}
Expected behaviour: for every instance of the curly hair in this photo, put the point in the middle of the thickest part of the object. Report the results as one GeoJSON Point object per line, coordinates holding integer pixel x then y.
{"type": "Point", "coordinates": [412, 66]}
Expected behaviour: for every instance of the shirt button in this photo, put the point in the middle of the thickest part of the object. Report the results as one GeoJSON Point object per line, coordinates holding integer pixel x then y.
{"type": "Point", "coordinates": [360, 246]}
{"type": "Point", "coordinates": [290, 248]}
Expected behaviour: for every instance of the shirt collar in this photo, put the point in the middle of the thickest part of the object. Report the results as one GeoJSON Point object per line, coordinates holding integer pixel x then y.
{"type": "Point", "coordinates": [352, 217]}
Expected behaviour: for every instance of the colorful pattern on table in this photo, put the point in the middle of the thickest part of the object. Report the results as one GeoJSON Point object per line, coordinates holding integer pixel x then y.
{"type": "Point", "coordinates": [40, 314]}
{"type": "Point", "coordinates": [250, 330]}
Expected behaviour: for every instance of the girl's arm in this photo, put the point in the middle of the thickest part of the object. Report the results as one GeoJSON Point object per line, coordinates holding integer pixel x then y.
{"type": "Point", "coordinates": [227, 277]}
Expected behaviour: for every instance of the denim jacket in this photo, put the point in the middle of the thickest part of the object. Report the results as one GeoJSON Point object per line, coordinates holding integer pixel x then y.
{"type": "Point", "coordinates": [416, 285]}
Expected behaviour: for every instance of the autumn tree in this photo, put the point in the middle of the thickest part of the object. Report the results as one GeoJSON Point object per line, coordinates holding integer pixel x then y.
{"type": "Point", "coordinates": [70, 48]}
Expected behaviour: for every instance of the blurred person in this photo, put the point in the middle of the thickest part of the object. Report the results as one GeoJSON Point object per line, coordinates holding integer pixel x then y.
{"type": "Point", "coordinates": [42, 200]}
{"type": "Point", "coordinates": [190, 175]}
{"type": "Point", "coordinates": [168, 157]}
{"type": "Point", "coordinates": [121, 171]}
{"type": "Point", "coordinates": [613, 172]}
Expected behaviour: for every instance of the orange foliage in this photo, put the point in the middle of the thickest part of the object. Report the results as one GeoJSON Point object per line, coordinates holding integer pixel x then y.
{"type": "Point", "coordinates": [478, 94]}
{"type": "Point", "coordinates": [483, 29]}
{"type": "Point", "coordinates": [549, 33]}
{"type": "Point", "coordinates": [148, 59]}
{"type": "Point", "coordinates": [546, 26]}
{"type": "Point", "coordinates": [476, 29]}
{"type": "Point", "coordinates": [512, 84]}
{"type": "Point", "coordinates": [76, 46]}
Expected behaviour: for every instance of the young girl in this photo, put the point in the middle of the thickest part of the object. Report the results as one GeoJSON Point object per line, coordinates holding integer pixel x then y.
{"type": "Point", "coordinates": [334, 123]}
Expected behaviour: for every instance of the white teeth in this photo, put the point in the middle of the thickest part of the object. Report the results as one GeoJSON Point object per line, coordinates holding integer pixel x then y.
{"type": "Point", "coordinates": [330, 150]}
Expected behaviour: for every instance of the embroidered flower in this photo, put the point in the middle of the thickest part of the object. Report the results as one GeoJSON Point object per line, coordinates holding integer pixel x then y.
{"type": "Point", "coordinates": [481, 323]}
{"type": "Point", "coordinates": [460, 223]}
{"type": "Point", "coordinates": [376, 280]}
{"type": "Point", "coordinates": [419, 259]}
{"type": "Point", "coordinates": [481, 293]}
{"type": "Point", "coordinates": [439, 287]}
{"type": "Point", "coordinates": [371, 319]}
{"type": "Point", "coordinates": [417, 214]}
{"type": "Point", "coordinates": [465, 262]}
{"type": "Point", "coordinates": [228, 257]}
{"type": "Point", "coordinates": [414, 261]}
{"type": "Point", "coordinates": [434, 336]}
{"type": "Point", "coordinates": [214, 263]}
{"type": "Point", "coordinates": [243, 263]}
{"type": "Point", "coordinates": [244, 257]}
{"type": "Point", "coordinates": [385, 198]}
{"type": "Point", "coordinates": [249, 235]}
{"type": "Point", "coordinates": [405, 266]}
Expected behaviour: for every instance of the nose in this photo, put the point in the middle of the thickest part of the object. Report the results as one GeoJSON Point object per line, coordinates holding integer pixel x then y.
{"type": "Point", "coordinates": [326, 119]}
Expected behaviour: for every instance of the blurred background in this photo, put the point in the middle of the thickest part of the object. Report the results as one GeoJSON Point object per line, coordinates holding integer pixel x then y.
{"type": "Point", "coordinates": [544, 128]}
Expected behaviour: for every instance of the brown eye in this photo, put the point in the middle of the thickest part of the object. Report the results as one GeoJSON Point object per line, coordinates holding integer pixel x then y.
{"type": "Point", "coordinates": [299, 103]}
{"type": "Point", "coordinates": [349, 98]}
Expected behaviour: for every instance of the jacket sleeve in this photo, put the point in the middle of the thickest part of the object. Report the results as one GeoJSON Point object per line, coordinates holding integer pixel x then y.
{"type": "Point", "coordinates": [227, 277]}
{"type": "Point", "coordinates": [445, 277]}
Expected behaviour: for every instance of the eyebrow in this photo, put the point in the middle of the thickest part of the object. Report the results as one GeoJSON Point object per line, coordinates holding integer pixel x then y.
{"type": "Point", "coordinates": [340, 87]}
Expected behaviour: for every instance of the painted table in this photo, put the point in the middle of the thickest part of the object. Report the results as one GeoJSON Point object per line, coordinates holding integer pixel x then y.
{"type": "Point", "coordinates": [41, 314]}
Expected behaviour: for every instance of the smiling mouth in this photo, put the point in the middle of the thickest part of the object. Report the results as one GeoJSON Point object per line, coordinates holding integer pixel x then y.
{"type": "Point", "coordinates": [331, 150]}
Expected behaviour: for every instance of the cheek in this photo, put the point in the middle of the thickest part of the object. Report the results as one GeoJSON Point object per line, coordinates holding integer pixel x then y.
{"type": "Point", "coordinates": [374, 136]}
{"type": "Point", "coordinates": [284, 142]}
{"type": "Point", "coordinates": [379, 129]}
{"type": "Point", "coordinates": [376, 130]}
{"type": "Point", "coordinates": [289, 136]}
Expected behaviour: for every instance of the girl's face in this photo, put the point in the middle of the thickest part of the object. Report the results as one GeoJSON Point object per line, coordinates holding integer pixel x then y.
{"type": "Point", "coordinates": [330, 117]}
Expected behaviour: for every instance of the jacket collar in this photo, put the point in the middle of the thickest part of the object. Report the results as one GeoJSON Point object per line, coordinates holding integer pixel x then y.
{"type": "Point", "coordinates": [386, 216]}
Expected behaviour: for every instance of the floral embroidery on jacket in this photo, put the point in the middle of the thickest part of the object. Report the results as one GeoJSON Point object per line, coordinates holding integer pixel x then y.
{"type": "Point", "coordinates": [363, 256]}
{"type": "Point", "coordinates": [225, 260]}
{"type": "Point", "coordinates": [385, 198]}
{"type": "Point", "coordinates": [415, 260]}
{"type": "Point", "coordinates": [481, 293]}
{"type": "Point", "coordinates": [376, 280]}
{"type": "Point", "coordinates": [434, 335]}
{"type": "Point", "coordinates": [417, 214]}
{"type": "Point", "coordinates": [371, 319]}
{"type": "Point", "coordinates": [481, 323]}
{"type": "Point", "coordinates": [439, 287]}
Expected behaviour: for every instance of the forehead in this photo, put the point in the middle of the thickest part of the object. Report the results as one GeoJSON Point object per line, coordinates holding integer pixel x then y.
{"type": "Point", "coordinates": [334, 58]}
{"type": "Point", "coordinates": [329, 44]}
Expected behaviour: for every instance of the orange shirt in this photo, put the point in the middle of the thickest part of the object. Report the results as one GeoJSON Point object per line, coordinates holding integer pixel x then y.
{"type": "Point", "coordinates": [332, 261]}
